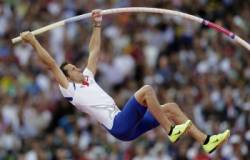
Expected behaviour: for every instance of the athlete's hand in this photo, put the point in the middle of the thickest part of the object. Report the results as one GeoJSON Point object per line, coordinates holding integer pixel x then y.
{"type": "Point", "coordinates": [28, 37]}
{"type": "Point", "coordinates": [97, 17]}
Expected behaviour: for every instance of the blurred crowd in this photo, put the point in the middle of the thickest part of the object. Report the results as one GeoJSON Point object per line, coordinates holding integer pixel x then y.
{"type": "Point", "coordinates": [204, 72]}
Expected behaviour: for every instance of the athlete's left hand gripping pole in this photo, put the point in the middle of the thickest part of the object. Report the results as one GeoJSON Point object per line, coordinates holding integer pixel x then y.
{"type": "Point", "coordinates": [41, 30]}
{"type": "Point", "coordinates": [53, 26]}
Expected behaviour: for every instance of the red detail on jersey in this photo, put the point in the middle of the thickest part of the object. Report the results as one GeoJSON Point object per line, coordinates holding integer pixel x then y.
{"type": "Point", "coordinates": [85, 81]}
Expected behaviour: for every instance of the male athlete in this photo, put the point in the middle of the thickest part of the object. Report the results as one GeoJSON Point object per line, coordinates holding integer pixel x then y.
{"type": "Point", "coordinates": [140, 114]}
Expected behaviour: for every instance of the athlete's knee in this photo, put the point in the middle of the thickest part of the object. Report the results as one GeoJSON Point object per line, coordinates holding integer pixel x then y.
{"type": "Point", "coordinates": [171, 108]}
{"type": "Point", "coordinates": [144, 89]}
{"type": "Point", "coordinates": [148, 90]}
{"type": "Point", "coordinates": [143, 92]}
{"type": "Point", "coordinates": [174, 105]}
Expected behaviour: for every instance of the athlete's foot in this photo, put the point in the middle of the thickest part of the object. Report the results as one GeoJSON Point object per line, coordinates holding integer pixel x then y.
{"type": "Point", "coordinates": [178, 130]}
{"type": "Point", "coordinates": [216, 141]}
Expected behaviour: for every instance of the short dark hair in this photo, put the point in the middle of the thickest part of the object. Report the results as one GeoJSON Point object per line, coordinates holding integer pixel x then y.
{"type": "Point", "coordinates": [63, 69]}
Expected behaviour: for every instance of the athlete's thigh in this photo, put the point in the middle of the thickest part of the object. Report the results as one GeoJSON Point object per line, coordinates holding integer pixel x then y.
{"type": "Point", "coordinates": [147, 123]}
{"type": "Point", "coordinates": [126, 120]}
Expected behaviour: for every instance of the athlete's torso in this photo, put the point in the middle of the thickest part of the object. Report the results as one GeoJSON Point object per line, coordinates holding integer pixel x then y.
{"type": "Point", "coordinates": [91, 99]}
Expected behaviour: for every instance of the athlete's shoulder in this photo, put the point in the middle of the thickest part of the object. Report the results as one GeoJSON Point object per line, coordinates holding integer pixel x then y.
{"type": "Point", "coordinates": [68, 91]}
{"type": "Point", "coordinates": [88, 72]}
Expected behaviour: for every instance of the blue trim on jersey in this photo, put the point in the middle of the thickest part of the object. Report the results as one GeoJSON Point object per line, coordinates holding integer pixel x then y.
{"type": "Point", "coordinates": [74, 85]}
{"type": "Point", "coordinates": [69, 98]}
{"type": "Point", "coordinates": [133, 121]}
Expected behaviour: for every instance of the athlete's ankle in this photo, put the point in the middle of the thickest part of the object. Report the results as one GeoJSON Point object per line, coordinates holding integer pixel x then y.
{"type": "Point", "coordinates": [171, 129]}
{"type": "Point", "coordinates": [206, 140]}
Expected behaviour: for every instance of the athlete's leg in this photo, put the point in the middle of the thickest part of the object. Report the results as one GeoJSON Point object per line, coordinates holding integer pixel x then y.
{"type": "Point", "coordinates": [126, 120]}
{"type": "Point", "coordinates": [147, 97]}
{"type": "Point", "coordinates": [127, 124]}
{"type": "Point", "coordinates": [174, 113]}
{"type": "Point", "coordinates": [209, 143]}
{"type": "Point", "coordinates": [147, 123]}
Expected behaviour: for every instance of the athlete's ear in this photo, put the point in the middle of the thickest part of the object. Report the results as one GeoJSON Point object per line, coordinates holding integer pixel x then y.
{"type": "Point", "coordinates": [62, 67]}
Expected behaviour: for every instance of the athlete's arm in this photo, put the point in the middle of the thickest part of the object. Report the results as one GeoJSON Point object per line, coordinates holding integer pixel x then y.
{"type": "Point", "coordinates": [95, 41]}
{"type": "Point", "coordinates": [45, 58]}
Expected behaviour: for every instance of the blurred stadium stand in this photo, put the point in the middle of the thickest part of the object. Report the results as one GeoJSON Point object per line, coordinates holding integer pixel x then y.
{"type": "Point", "coordinates": [202, 71]}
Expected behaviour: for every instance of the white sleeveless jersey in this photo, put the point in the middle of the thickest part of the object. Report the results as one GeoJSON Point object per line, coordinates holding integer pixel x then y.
{"type": "Point", "coordinates": [91, 99]}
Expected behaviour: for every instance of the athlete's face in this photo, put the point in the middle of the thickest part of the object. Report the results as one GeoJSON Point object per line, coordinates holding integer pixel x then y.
{"type": "Point", "coordinates": [74, 73]}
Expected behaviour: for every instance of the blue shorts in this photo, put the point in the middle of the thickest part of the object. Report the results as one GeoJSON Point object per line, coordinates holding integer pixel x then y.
{"type": "Point", "coordinates": [132, 121]}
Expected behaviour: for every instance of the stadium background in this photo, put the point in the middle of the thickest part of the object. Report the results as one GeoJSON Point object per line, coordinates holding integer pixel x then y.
{"type": "Point", "coordinates": [206, 74]}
